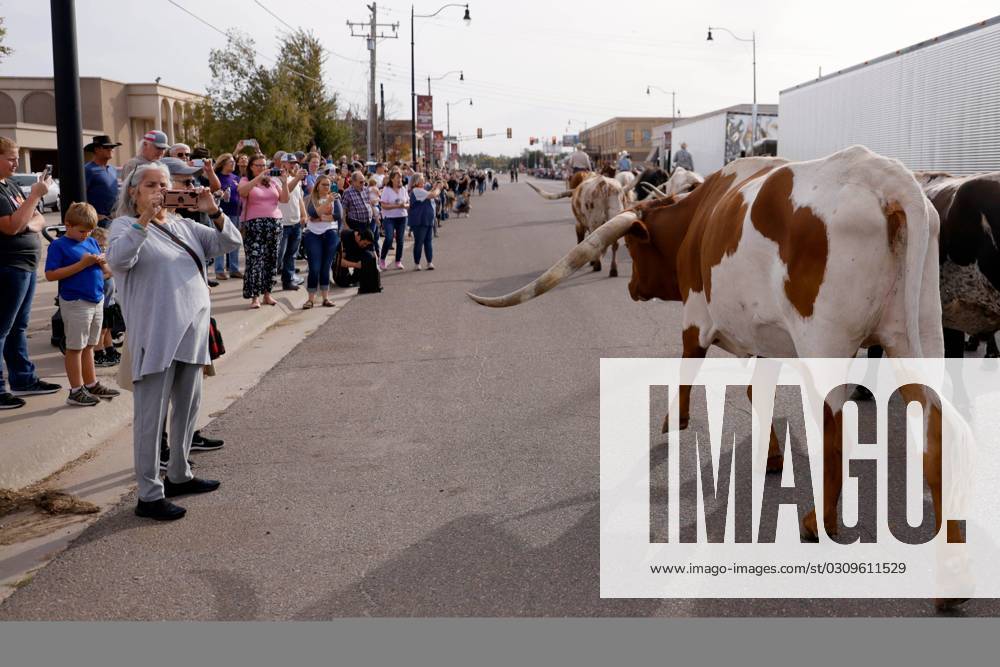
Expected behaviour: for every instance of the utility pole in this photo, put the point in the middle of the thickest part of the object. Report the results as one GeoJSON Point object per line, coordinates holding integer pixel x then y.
{"type": "Point", "coordinates": [66, 85]}
{"type": "Point", "coordinates": [381, 90]}
{"type": "Point", "coordinates": [372, 37]}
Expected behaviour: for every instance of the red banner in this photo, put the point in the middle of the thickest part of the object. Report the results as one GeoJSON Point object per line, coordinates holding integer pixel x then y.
{"type": "Point", "coordinates": [438, 144]}
{"type": "Point", "coordinates": [454, 151]}
{"type": "Point", "coordinates": [425, 113]}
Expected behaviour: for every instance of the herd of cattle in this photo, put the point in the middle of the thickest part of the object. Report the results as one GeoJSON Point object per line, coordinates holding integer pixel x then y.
{"type": "Point", "coordinates": [819, 258]}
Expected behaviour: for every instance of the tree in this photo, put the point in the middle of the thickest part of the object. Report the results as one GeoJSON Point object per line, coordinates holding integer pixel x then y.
{"type": "Point", "coordinates": [4, 49]}
{"type": "Point", "coordinates": [285, 107]}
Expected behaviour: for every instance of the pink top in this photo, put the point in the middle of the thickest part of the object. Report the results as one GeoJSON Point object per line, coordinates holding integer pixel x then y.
{"type": "Point", "coordinates": [262, 202]}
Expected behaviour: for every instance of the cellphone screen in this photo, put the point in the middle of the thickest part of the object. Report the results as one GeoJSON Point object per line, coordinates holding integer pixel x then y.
{"type": "Point", "coordinates": [276, 172]}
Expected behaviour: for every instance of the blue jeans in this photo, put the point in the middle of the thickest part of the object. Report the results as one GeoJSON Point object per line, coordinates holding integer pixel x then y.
{"type": "Point", "coordinates": [423, 239]}
{"type": "Point", "coordinates": [395, 228]}
{"type": "Point", "coordinates": [321, 249]}
{"type": "Point", "coordinates": [231, 260]}
{"type": "Point", "coordinates": [288, 247]}
{"type": "Point", "coordinates": [17, 289]}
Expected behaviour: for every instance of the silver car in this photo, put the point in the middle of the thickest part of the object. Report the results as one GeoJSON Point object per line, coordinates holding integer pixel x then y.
{"type": "Point", "coordinates": [51, 199]}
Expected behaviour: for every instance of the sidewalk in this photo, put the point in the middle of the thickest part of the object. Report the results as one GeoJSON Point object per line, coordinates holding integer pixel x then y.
{"type": "Point", "coordinates": [41, 438]}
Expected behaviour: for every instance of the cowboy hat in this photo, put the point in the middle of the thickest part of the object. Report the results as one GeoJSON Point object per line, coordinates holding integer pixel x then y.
{"type": "Point", "coordinates": [102, 140]}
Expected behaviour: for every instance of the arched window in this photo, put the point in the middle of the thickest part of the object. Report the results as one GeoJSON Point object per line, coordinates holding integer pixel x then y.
{"type": "Point", "coordinates": [8, 110]}
{"type": "Point", "coordinates": [39, 108]}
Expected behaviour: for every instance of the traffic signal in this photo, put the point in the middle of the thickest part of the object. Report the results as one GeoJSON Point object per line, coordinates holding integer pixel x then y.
{"type": "Point", "coordinates": [510, 134]}
{"type": "Point", "coordinates": [479, 133]}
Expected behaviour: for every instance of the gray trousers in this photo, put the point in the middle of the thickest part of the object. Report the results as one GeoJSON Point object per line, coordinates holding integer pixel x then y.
{"type": "Point", "coordinates": [179, 386]}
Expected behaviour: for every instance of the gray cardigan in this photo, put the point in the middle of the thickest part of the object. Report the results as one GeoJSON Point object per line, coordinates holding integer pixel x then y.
{"type": "Point", "coordinates": [162, 293]}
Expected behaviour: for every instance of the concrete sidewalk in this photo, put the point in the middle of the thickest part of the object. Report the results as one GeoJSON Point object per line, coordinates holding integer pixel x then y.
{"type": "Point", "coordinates": [41, 438]}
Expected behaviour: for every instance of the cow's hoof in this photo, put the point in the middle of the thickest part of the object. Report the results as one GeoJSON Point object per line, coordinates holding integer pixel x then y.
{"type": "Point", "coordinates": [949, 604]}
{"type": "Point", "coordinates": [613, 273]}
{"type": "Point", "coordinates": [683, 422]}
{"type": "Point", "coordinates": [807, 529]}
{"type": "Point", "coordinates": [775, 463]}
{"type": "Point", "coordinates": [597, 266]}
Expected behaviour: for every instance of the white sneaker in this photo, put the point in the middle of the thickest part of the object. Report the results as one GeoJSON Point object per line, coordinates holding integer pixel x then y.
{"type": "Point", "coordinates": [416, 267]}
{"type": "Point", "coordinates": [399, 265]}
{"type": "Point", "coordinates": [430, 266]}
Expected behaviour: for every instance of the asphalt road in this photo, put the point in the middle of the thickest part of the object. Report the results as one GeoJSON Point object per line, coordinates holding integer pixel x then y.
{"type": "Point", "coordinates": [419, 455]}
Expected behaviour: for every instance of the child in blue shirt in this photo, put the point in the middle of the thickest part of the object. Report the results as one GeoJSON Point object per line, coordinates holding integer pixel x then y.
{"type": "Point", "coordinates": [76, 261]}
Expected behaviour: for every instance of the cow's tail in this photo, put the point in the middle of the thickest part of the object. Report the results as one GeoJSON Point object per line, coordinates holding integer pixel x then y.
{"type": "Point", "coordinates": [914, 219]}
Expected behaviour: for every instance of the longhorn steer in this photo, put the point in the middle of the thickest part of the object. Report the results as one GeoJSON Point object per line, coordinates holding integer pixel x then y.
{"type": "Point", "coordinates": [969, 207]}
{"type": "Point", "coordinates": [594, 200]}
{"type": "Point", "coordinates": [783, 259]}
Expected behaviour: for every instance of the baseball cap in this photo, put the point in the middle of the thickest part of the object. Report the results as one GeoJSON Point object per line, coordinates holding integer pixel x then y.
{"type": "Point", "coordinates": [157, 138]}
{"type": "Point", "coordinates": [289, 157]}
{"type": "Point", "coordinates": [179, 167]}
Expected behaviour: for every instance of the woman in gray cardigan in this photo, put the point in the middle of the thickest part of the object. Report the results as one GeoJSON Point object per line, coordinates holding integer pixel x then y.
{"type": "Point", "coordinates": [164, 298]}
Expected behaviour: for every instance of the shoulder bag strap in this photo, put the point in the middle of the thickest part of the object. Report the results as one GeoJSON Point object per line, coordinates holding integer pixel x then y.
{"type": "Point", "coordinates": [173, 237]}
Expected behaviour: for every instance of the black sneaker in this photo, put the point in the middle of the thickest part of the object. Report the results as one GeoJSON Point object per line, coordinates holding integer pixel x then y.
{"type": "Point", "coordinates": [113, 356]}
{"type": "Point", "coordinates": [9, 401]}
{"type": "Point", "coordinates": [100, 391]}
{"type": "Point", "coordinates": [193, 485]}
{"type": "Point", "coordinates": [290, 288]}
{"type": "Point", "coordinates": [101, 359]}
{"type": "Point", "coordinates": [213, 283]}
{"type": "Point", "coordinates": [165, 459]}
{"type": "Point", "coordinates": [200, 443]}
{"type": "Point", "coordinates": [36, 388]}
{"type": "Point", "coordinates": [161, 510]}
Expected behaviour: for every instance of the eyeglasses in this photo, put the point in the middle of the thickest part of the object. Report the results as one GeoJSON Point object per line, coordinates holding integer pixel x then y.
{"type": "Point", "coordinates": [186, 181]}
{"type": "Point", "coordinates": [183, 155]}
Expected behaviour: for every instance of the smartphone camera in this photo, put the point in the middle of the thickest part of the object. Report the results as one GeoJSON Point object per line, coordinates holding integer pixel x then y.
{"type": "Point", "coordinates": [275, 172]}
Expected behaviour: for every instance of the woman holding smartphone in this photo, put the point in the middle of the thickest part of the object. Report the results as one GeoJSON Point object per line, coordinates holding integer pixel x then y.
{"type": "Point", "coordinates": [261, 195]}
{"type": "Point", "coordinates": [395, 206]}
{"type": "Point", "coordinates": [321, 239]}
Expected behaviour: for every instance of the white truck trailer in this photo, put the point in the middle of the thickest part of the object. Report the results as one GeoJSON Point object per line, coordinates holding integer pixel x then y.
{"type": "Point", "coordinates": [718, 137]}
{"type": "Point", "coordinates": [934, 105]}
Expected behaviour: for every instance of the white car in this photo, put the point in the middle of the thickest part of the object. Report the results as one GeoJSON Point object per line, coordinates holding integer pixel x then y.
{"type": "Point", "coordinates": [51, 199]}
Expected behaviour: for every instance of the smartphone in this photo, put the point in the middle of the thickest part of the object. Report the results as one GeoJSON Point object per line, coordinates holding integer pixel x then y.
{"type": "Point", "coordinates": [46, 172]}
{"type": "Point", "coordinates": [334, 188]}
{"type": "Point", "coordinates": [198, 163]}
{"type": "Point", "coordinates": [249, 142]}
{"type": "Point", "coordinates": [275, 172]}
{"type": "Point", "coordinates": [180, 199]}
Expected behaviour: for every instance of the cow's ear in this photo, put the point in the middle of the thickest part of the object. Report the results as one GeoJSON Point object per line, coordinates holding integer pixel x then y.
{"type": "Point", "coordinates": [638, 231]}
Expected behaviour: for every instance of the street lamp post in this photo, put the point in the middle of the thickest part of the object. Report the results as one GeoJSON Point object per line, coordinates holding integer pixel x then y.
{"type": "Point", "coordinates": [448, 108]}
{"type": "Point", "coordinates": [753, 41]}
{"type": "Point", "coordinates": [673, 117]}
{"type": "Point", "coordinates": [460, 73]}
{"type": "Point", "coordinates": [413, 70]}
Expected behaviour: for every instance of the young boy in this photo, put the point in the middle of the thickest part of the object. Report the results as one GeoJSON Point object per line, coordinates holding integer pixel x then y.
{"type": "Point", "coordinates": [105, 354]}
{"type": "Point", "coordinates": [76, 261]}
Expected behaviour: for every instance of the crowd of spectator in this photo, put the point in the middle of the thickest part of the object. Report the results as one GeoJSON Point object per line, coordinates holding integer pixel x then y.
{"type": "Point", "coordinates": [144, 242]}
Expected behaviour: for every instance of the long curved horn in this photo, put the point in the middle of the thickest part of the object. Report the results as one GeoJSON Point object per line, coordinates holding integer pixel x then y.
{"type": "Point", "coordinates": [550, 195]}
{"type": "Point", "coordinates": [660, 193]}
{"type": "Point", "coordinates": [587, 250]}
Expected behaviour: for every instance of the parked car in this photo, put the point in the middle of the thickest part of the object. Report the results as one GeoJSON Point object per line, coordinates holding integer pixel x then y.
{"type": "Point", "coordinates": [51, 199]}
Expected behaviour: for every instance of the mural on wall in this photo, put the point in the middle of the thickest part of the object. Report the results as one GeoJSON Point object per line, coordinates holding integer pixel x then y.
{"type": "Point", "coordinates": [738, 135]}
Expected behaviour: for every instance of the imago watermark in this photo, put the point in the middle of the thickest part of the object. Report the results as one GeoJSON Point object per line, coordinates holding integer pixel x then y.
{"type": "Point", "coordinates": [725, 478]}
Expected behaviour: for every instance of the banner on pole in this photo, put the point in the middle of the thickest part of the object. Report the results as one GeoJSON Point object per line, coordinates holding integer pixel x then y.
{"type": "Point", "coordinates": [425, 113]}
{"type": "Point", "coordinates": [438, 144]}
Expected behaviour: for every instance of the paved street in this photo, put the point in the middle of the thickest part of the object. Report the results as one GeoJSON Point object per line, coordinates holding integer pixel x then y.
{"type": "Point", "coordinates": [418, 455]}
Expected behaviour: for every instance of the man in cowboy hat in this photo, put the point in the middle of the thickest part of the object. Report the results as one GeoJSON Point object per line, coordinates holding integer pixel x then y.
{"type": "Point", "coordinates": [102, 178]}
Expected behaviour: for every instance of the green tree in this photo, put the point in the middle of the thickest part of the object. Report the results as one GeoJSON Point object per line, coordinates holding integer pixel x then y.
{"type": "Point", "coordinates": [4, 49]}
{"type": "Point", "coordinates": [285, 107]}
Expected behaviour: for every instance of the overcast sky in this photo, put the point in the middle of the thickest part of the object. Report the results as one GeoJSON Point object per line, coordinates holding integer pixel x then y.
{"type": "Point", "coordinates": [538, 67]}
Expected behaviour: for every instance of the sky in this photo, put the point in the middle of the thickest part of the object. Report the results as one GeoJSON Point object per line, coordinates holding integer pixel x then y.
{"type": "Point", "coordinates": [540, 68]}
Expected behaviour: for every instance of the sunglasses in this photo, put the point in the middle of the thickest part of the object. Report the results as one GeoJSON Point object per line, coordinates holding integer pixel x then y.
{"type": "Point", "coordinates": [186, 181]}
{"type": "Point", "coordinates": [183, 155]}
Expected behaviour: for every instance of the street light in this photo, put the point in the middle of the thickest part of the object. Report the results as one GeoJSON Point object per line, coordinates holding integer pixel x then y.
{"type": "Point", "coordinates": [752, 40]}
{"type": "Point", "coordinates": [673, 115]}
{"type": "Point", "coordinates": [460, 73]}
{"type": "Point", "coordinates": [448, 107]}
{"type": "Point", "coordinates": [413, 69]}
